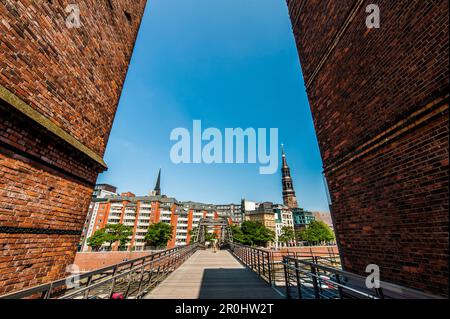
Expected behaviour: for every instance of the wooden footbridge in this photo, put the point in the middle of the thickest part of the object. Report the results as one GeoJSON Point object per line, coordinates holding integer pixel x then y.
{"type": "Point", "coordinates": [227, 271]}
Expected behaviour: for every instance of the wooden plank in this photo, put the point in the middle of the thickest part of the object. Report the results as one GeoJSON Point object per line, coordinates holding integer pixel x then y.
{"type": "Point", "coordinates": [209, 275]}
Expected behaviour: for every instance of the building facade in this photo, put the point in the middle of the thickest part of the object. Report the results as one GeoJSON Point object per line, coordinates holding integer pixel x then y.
{"type": "Point", "coordinates": [103, 190]}
{"type": "Point", "coordinates": [324, 217]}
{"type": "Point", "coordinates": [264, 214]}
{"type": "Point", "coordinates": [302, 218]}
{"type": "Point", "coordinates": [98, 196]}
{"type": "Point", "coordinates": [59, 90]}
{"type": "Point", "coordinates": [379, 100]}
{"type": "Point", "coordinates": [139, 212]}
{"type": "Point", "coordinates": [283, 218]}
{"type": "Point", "coordinates": [233, 211]}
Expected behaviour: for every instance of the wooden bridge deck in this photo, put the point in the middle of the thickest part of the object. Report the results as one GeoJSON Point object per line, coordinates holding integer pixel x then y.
{"type": "Point", "coordinates": [209, 275]}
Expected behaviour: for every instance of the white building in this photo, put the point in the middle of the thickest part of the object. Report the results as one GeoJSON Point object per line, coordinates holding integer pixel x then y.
{"type": "Point", "coordinates": [283, 218]}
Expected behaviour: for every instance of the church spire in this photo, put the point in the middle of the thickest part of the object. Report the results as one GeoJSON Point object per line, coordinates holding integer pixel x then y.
{"type": "Point", "coordinates": [157, 190]}
{"type": "Point", "coordinates": [289, 198]}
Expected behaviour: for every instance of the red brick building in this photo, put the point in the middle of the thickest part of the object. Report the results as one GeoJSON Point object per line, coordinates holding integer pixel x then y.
{"type": "Point", "coordinates": [59, 90]}
{"type": "Point", "coordinates": [379, 99]}
{"type": "Point", "coordinates": [140, 212]}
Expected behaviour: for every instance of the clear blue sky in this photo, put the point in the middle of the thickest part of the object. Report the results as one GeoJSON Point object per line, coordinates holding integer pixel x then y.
{"type": "Point", "coordinates": [228, 63]}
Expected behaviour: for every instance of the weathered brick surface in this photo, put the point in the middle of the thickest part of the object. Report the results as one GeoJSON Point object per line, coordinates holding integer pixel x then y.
{"type": "Point", "coordinates": [87, 261]}
{"type": "Point", "coordinates": [30, 260]}
{"type": "Point", "coordinates": [387, 71]}
{"type": "Point", "coordinates": [327, 26]}
{"type": "Point", "coordinates": [74, 77]}
{"type": "Point", "coordinates": [27, 201]}
{"type": "Point", "coordinates": [304, 252]}
{"type": "Point", "coordinates": [391, 209]}
{"type": "Point", "coordinates": [23, 136]}
{"type": "Point", "coordinates": [389, 202]}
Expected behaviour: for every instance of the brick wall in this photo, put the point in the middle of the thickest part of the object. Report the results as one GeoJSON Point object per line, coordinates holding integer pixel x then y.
{"type": "Point", "coordinates": [304, 252]}
{"type": "Point", "coordinates": [59, 90]}
{"type": "Point", "coordinates": [380, 107]}
{"type": "Point", "coordinates": [73, 76]}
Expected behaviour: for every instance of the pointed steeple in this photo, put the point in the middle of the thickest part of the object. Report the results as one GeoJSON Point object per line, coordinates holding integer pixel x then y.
{"type": "Point", "coordinates": [157, 190]}
{"type": "Point", "coordinates": [283, 156]}
{"type": "Point", "coordinates": [289, 198]}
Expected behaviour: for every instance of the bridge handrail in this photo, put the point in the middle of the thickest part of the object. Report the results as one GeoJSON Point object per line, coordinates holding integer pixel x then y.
{"type": "Point", "coordinates": [133, 263]}
{"type": "Point", "coordinates": [259, 260]}
{"type": "Point", "coordinates": [358, 289]}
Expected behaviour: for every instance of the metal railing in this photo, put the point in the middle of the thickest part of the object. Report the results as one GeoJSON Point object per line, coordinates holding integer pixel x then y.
{"type": "Point", "coordinates": [316, 280]}
{"type": "Point", "coordinates": [131, 279]}
{"type": "Point", "coordinates": [328, 258]}
{"type": "Point", "coordinates": [259, 260]}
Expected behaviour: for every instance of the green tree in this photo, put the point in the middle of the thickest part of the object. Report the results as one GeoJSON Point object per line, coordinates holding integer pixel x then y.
{"type": "Point", "coordinates": [97, 239]}
{"type": "Point", "coordinates": [287, 235]}
{"type": "Point", "coordinates": [298, 235]}
{"type": "Point", "coordinates": [158, 234]}
{"type": "Point", "coordinates": [118, 232]}
{"type": "Point", "coordinates": [252, 233]}
{"type": "Point", "coordinates": [316, 233]}
{"type": "Point", "coordinates": [193, 234]}
{"type": "Point", "coordinates": [209, 237]}
{"type": "Point", "coordinates": [238, 235]}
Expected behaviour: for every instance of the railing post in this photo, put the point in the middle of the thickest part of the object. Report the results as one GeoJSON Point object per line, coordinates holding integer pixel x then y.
{"type": "Point", "coordinates": [130, 279]}
{"type": "Point", "coordinates": [379, 293]}
{"type": "Point", "coordinates": [48, 292]}
{"type": "Point", "coordinates": [259, 262]}
{"type": "Point", "coordinates": [150, 274]}
{"type": "Point", "coordinates": [269, 268]}
{"type": "Point", "coordinates": [338, 280]}
{"type": "Point", "coordinates": [297, 276]}
{"type": "Point", "coordinates": [86, 293]}
{"type": "Point", "coordinates": [264, 264]}
{"type": "Point", "coordinates": [286, 278]}
{"type": "Point", "coordinates": [142, 276]}
{"type": "Point", "coordinates": [113, 283]}
{"type": "Point", "coordinates": [315, 284]}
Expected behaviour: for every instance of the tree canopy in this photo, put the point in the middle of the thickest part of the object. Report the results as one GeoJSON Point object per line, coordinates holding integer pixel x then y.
{"type": "Point", "coordinates": [158, 234]}
{"type": "Point", "coordinates": [193, 234]}
{"type": "Point", "coordinates": [252, 233]}
{"type": "Point", "coordinates": [209, 237]}
{"type": "Point", "coordinates": [97, 239]}
{"type": "Point", "coordinates": [316, 232]}
{"type": "Point", "coordinates": [287, 234]}
{"type": "Point", "coordinates": [118, 232]}
{"type": "Point", "coordinates": [111, 233]}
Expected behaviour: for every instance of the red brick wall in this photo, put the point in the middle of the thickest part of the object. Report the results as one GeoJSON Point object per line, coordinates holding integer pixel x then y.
{"type": "Point", "coordinates": [87, 261]}
{"type": "Point", "coordinates": [78, 73]}
{"type": "Point", "coordinates": [31, 259]}
{"type": "Point", "coordinates": [324, 251]}
{"type": "Point", "coordinates": [73, 78]}
{"type": "Point", "coordinates": [25, 201]}
{"type": "Point", "coordinates": [380, 107]}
